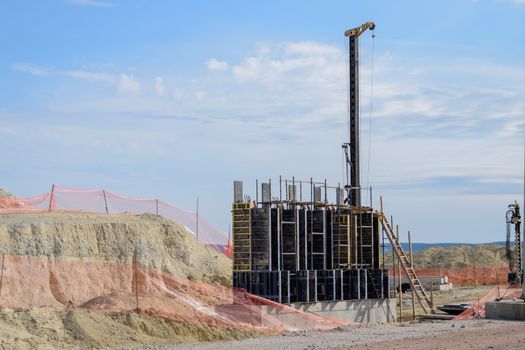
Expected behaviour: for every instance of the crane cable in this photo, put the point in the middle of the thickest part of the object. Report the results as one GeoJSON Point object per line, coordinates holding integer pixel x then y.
{"type": "Point", "coordinates": [370, 112]}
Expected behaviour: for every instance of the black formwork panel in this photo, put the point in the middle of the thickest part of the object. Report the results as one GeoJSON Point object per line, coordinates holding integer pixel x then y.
{"type": "Point", "coordinates": [317, 244]}
{"type": "Point", "coordinates": [375, 280]}
{"type": "Point", "coordinates": [354, 283]}
{"type": "Point", "coordinates": [262, 283]}
{"type": "Point", "coordinates": [326, 285]}
{"type": "Point", "coordinates": [358, 281]}
{"type": "Point", "coordinates": [288, 240]}
{"type": "Point", "coordinates": [260, 239]}
{"type": "Point", "coordinates": [346, 285]}
{"type": "Point", "coordinates": [285, 287]}
{"type": "Point", "coordinates": [338, 274]}
{"type": "Point", "coordinates": [274, 239]}
{"type": "Point", "coordinates": [329, 238]}
{"type": "Point", "coordinates": [363, 283]}
{"type": "Point", "coordinates": [304, 288]}
{"type": "Point", "coordinates": [303, 239]}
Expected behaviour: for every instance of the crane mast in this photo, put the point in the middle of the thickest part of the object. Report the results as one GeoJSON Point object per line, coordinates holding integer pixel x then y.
{"type": "Point", "coordinates": [351, 148]}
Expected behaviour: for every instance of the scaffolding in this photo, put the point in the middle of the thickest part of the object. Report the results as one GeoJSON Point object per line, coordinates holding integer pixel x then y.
{"type": "Point", "coordinates": [289, 249]}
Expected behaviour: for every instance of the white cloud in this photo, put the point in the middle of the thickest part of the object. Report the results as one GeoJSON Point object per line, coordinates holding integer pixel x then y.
{"type": "Point", "coordinates": [159, 86]}
{"type": "Point", "coordinates": [92, 3]}
{"type": "Point", "coordinates": [434, 119]}
{"type": "Point", "coordinates": [437, 124]}
{"type": "Point", "coordinates": [94, 76]}
{"type": "Point", "coordinates": [128, 84]}
{"type": "Point", "coordinates": [216, 65]}
{"type": "Point", "coordinates": [30, 69]}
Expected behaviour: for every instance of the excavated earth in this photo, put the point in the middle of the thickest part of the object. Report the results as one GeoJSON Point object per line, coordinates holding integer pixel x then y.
{"type": "Point", "coordinates": [57, 261]}
{"type": "Point", "coordinates": [155, 242]}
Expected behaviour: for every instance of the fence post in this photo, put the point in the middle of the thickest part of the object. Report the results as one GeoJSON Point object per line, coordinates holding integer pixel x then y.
{"type": "Point", "coordinates": [135, 272]}
{"type": "Point", "coordinates": [432, 294]}
{"type": "Point", "coordinates": [105, 201]}
{"type": "Point", "coordinates": [51, 198]}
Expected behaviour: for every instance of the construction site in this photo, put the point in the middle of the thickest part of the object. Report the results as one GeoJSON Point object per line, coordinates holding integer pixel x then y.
{"type": "Point", "coordinates": [307, 264]}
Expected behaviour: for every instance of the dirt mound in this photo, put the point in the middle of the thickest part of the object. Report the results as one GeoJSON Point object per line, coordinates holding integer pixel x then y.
{"type": "Point", "coordinates": [150, 239]}
{"type": "Point", "coordinates": [461, 256]}
{"type": "Point", "coordinates": [81, 329]}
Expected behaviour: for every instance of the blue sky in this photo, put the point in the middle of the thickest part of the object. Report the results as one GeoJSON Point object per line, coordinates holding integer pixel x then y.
{"type": "Point", "coordinates": [175, 100]}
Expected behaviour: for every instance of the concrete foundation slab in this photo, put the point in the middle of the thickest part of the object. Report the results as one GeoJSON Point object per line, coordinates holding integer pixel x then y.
{"type": "Point", "coordinates": [505, 310]}
{"type": "Point", "coordinates": [368, 310]}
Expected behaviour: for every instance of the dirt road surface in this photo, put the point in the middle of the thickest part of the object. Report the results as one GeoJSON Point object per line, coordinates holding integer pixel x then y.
{"type": "Point", "coordinates": [469, 334]}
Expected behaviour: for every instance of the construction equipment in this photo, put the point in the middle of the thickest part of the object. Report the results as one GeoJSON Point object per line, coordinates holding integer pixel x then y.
{"type": "Point", "coordinates": [351, 152]}
{"type": "Point", "coordinates": [351, 148]}
{"type": "Point", "coordinates": [513, 251]}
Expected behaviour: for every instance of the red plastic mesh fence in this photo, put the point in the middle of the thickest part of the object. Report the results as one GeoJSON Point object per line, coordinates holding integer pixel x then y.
{"type": "Point", "coordinates": [468, 276]}
{"type": "Point", "coordinates": [477, 308]}
{"type": "Point", "coordinates": [42, 282]}
{"type": "Point", "coordinates": [465, 276]}
{"type": "Point", "coordinates": [101, 201]}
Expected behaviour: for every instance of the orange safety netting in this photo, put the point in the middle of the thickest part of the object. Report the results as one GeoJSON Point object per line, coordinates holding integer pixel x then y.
{"type": "Point", "coordinates": [472, 275]}
{"type": "Point", "coordinates": [464, 276]}
{"type": "Point", "coordinates": [43, 282]}
{"type": "Point", "coordinates": [101, 201]}
{"type": "Point", "coordinates": [477, 308]}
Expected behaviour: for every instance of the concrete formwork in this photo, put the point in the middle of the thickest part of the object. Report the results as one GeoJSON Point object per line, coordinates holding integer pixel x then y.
{"type": "Point", "coordinates": [505, 310]}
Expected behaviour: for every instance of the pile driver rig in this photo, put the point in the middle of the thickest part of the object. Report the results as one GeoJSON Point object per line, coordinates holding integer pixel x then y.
{"type": "Point", "coordinates": [351, 148]}
{"type": "Point", "coordinates": [514, 249]}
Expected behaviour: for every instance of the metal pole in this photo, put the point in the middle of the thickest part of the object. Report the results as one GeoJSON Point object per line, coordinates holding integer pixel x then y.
{"type": "Point", "coordinates": [51, 198]}
{"type": "Point", "coordinates": [256, 191]}
{"type": "Point", "coordinates": [412, 266]}
{"type": "Point", "coordinates": [432, 294]}
{"type": "Point", "coordinates": [105, 201]}
{"type": "Point", "coordinates": [400, 293]}
{"type": "Point", "coordinates": [136, 281]}
{"type": "Point", "coordinates": [280, 188]}
{"type": "Point", "coordinates": [325, 193]}
{"type": "Point", "coordinates": [157, 206]}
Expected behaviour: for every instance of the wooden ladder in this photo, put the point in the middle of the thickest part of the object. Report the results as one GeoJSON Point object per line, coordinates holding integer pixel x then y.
{"type": "Point", "coordinates": [415, 284]}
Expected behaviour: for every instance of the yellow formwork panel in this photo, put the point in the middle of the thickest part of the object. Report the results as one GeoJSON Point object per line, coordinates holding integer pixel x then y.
{"type": "Point", "coordinates": [241, 237]}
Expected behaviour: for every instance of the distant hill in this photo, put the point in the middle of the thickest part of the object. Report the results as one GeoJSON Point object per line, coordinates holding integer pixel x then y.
{"type": "Point", "coordinates": [455, 255]}
{"type": "Point", "coordinates": [416, 247]}
{"type": "Point", "coordinates": [4, 193]}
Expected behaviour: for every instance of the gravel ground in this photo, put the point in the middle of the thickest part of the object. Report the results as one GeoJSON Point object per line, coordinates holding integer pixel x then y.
{"type": "Point", "coordinates": [469, 334]}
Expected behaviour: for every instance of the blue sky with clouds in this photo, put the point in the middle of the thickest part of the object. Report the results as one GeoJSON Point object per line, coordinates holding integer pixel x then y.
{"type": "Point", "coordinates": [175, 100]}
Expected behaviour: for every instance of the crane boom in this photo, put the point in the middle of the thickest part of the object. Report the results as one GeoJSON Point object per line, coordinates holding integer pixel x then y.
{"type": "Point", "coordinates": [359, 30]}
